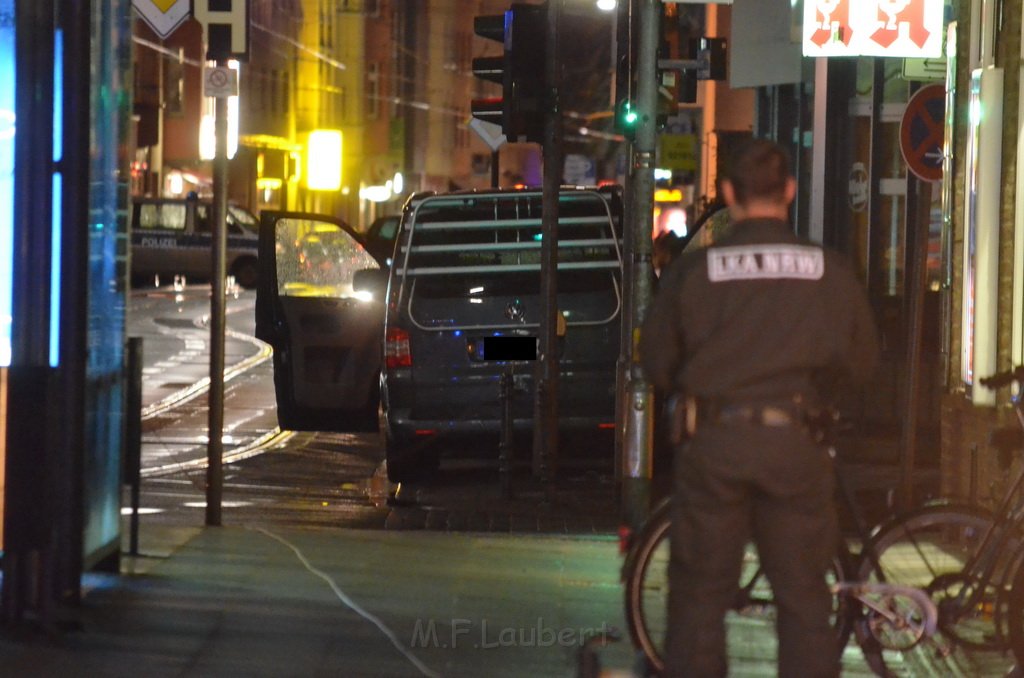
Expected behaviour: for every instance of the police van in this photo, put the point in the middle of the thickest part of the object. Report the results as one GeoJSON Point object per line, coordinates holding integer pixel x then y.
{"type": "Point", "coordinates": [172, 236]}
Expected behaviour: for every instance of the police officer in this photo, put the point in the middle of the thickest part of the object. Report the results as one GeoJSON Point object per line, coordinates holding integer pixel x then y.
{"type": "Point", "coordinates": [744, 330]}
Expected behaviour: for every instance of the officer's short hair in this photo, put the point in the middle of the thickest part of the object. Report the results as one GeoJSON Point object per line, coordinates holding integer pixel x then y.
{"type": "Point", "coordinates": [758, 170]}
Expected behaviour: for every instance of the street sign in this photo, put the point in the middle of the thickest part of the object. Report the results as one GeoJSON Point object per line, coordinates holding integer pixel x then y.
{"type": "Point", "coordinates": [924, 69]}
{"type": "Point", "coordinates": [894, 28]}
{"type": "Point", "coordinates": [163, 16]}
{"type": "Point", "coordinates": [579, 170]}
{"type": "Point", "coordinates": [490, 132]}
{"type": "Point", "coordinates": [922, 132]}
{"type": "Point", "coordinates": [220, 82]}
{"type": "Point", "coordinates": [678, 152]}
{"type": "Point", "coordinates": [226, 26]}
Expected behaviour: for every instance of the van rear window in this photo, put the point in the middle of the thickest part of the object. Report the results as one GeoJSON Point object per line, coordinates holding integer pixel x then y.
{"type": "Point", "coordinates": [474, 247]}
{"type": "Point", "coordinates": [501, 235]}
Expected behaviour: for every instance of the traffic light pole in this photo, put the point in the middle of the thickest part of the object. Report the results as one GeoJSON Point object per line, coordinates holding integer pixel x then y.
{"type": "Point", "coordinates": [215, 396]}
{"type": "Point", "coordinates": [545, 440]}
{"type": "Point", "coordinates": [639, 412]}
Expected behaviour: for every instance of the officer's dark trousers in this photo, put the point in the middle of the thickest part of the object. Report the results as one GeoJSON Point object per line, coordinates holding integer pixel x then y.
{"type": "Point", "coordinates": [773, 485]}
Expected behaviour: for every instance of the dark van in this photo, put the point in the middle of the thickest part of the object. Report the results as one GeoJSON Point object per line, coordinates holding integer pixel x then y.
{"type": "Point", "coordinates": [172, 236]}
{"type": "Point", "coordinates": [467, 270]}
{"type": "Point", "coordinates": [362, 342]}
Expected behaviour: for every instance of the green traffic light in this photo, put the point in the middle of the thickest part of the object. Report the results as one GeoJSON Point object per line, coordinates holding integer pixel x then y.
{"type": "Point", "coordinates": [629, 116]}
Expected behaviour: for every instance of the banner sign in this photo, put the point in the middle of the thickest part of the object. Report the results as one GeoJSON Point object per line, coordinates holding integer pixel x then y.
{"type": "Point", "coordinates": [887, 28]}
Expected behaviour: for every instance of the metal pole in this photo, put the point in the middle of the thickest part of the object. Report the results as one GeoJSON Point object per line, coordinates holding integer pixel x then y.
{"type": "Point", "coordinates": [622, 69]}
{"type": "Point", "coordinates": [506, 447]}
{"type": "Point", "coordinates": [133, 437]}
{"type": "Point", "coordinates": [215, 421]}
{"type": "Point", "coordinates": [545, 440]}
{"type": "Point", "coordinates": [918, 217]}
{"type": "Point", "coordinates": [639, 414]}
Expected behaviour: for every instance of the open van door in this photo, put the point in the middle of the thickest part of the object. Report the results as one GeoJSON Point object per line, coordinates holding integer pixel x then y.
{"type": "Point", "coordinates": [326, 333]}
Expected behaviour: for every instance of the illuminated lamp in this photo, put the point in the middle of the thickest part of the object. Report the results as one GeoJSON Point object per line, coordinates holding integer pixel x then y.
{"type": "Point", "coordinates": [323, 160]}
{"type": "Point", "coordinates": [175, 183]}
{"type": "Point", "coordinates": [375, 193]}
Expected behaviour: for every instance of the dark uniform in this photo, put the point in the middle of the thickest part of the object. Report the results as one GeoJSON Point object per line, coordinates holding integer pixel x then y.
{"type": "Point", "coordinates": [746, 327]}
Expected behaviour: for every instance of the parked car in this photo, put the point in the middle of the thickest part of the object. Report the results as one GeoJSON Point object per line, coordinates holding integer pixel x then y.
{"type": "Point", "coordinates": [172, 236]}
{"type": "Point", "coordinates": [466, 276]}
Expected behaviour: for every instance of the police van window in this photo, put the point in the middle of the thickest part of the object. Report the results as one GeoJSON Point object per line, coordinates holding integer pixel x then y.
{"type": "Point", "coordinates": [202, 224]}
{"type": "Point", "coordinates": [242, 218]}
{"type": "Point", "coordinates": [157, 216]}
{"type": "Point", "coordinates": [237, 220]}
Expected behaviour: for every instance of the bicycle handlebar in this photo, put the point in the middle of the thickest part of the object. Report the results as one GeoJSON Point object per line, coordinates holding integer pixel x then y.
{"type": "Point", "coordinates": [1006, 378]}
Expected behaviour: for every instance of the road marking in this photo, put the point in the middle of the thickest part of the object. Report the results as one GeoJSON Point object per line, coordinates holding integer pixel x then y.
{"type": "Point", "coordinates": [203, 385]}
{"type": "Point", "coordinates": [258, 446]}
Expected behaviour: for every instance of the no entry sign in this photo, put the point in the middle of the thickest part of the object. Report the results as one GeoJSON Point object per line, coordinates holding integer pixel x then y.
{"type": "Point", "coordinates": [922, 132]}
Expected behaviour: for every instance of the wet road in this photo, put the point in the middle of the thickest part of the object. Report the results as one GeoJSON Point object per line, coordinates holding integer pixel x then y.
{"type": "Point", "coordinates": [306, 479]}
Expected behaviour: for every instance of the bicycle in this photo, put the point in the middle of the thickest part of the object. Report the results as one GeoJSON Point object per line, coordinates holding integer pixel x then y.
{"type": "Point", "coordinates": [935, 573]}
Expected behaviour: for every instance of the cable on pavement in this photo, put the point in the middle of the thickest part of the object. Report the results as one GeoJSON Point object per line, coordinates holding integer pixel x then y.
{"type": "Point", "coordinates": [352, 605]}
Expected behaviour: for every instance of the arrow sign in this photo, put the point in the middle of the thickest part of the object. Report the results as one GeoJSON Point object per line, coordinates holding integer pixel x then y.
{"type": "Point", "coordinates": [490, 133]}
{"type": "Point", "coordinates": [163, 16]}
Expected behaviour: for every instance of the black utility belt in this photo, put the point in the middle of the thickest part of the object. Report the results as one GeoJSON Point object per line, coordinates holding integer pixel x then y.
{"type": "Point", "coordinates": [711, 412]}
{"type": "Point", "coordinates": [761, 415]}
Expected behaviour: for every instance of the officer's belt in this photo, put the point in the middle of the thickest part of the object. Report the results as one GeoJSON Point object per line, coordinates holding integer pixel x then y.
{"type": "Point", "coordinates": [708, 412]}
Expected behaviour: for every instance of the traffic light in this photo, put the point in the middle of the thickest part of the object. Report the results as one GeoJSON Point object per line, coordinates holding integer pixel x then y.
{"type": "Point", "coordinates": [490, 68]}
{"type": "Point", "coordinates": [712, 58]}
{"type": "Point", "coordinates": [520, 70]}
{"type": "Point", "coordinates": [626, 116]}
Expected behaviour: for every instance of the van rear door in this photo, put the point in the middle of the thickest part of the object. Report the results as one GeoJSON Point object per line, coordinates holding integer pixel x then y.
{"type": "Point", "coordinates": [326, 336]}
{"type": "Point", "coordinates": [470, 269]}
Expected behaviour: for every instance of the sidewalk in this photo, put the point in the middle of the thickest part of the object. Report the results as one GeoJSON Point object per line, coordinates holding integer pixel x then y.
{"type": "Point", "coordinates": [427, 593]}
{"type": "Point", "coordinates": [234, 601]}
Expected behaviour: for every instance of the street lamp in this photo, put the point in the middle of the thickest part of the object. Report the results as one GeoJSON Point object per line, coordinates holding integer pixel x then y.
{"type": "Point", "coordinates": [607, 5]}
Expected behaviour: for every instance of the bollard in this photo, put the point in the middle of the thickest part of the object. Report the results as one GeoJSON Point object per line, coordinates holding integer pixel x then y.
{"type": "Point", "coordinates": [133, 436]}
{"type": "Point", "coordinates": [507, 444]}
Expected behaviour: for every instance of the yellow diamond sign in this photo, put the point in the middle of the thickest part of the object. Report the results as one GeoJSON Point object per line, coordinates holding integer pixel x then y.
{"type": "Point", "coordinates": [163, 16]}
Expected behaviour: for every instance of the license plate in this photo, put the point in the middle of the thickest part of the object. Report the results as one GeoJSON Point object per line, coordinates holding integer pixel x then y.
{"type": "Point", "coordinates": [510, 348]}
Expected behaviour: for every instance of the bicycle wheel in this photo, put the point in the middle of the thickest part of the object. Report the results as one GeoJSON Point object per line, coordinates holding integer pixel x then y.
{"type": "Point", "coordinates": [645, 577]}
{"type": "Point", "coordinates": [1015, 610]}
{"type": "Point", "coordinates": [927, 549]}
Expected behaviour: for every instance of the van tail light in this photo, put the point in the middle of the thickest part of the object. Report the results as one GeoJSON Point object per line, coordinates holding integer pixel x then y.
{"type": "Point", "coordinates": [396, 348]}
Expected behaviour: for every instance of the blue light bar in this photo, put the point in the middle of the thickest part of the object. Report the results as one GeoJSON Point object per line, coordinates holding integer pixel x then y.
{"type": "Point", "coordinates": [7, 132]}
{"type": "Point", "coordinates": [56, 230]}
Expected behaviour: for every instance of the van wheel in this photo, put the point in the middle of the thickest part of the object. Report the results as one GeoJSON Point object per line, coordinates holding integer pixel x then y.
{"type": "Point", "coordinates": [410, 462]}
{"type": "Point", "coordinates": [246, 272]}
